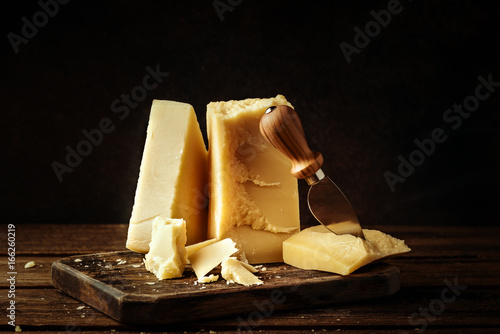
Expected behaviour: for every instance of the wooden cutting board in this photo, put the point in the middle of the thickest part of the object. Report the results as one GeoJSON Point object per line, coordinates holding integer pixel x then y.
{"type": "Point", "coordinates": [118, 285]}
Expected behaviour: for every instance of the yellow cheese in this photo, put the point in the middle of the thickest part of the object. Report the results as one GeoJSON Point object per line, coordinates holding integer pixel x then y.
{"type": "Point", "coordinates": [250, 181]}
{"type": "Point", "coordinates": [173, 175]}
{"type": "Point", "coordinates": [234, 271]}
{"type": "Point", "coordinates": [167, 252]}
{"type": "Point", "coordinates": [248, 267]}
{"type": "Point", "coordinates": [319, 249]}
{"type": "Point", "coordinates": [197, 246]}
{"type": "Point", "coordinates": [209, 279]}
{"type": "Point", "coordinates": [209, 257]}
{"type": "Point", "coordinates": [259, 246]}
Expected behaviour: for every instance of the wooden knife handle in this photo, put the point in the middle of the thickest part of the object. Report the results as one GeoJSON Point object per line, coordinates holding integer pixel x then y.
{"type": "Point", "coordinates": [282, 128]}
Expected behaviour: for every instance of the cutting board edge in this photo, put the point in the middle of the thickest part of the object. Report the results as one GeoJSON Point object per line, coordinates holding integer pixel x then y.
{"type": "Point", "coordinates": [111, 297]}
{"type": "Point", "coordinates": [124, 307]}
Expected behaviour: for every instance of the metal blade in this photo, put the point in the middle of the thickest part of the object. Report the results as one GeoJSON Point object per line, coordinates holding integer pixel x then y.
{"type": "Point", "coordinates": [332, 209]}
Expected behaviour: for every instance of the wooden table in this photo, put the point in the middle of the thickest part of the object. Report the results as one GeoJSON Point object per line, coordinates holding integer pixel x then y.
{"type": "Point", "coordinates": [450, 284]}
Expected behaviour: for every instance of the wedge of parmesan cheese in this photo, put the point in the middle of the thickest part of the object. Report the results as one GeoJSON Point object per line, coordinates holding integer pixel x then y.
{"type": "Point", "coordinates": [253, 197]}
{"type": "Point", "coordinates": [173, 175]}
{"type": "Point", "coordinates": [319, 249]}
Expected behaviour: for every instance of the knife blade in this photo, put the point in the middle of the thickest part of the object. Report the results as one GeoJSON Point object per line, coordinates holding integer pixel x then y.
{"type": "Point", "coordinates": [281, 127]}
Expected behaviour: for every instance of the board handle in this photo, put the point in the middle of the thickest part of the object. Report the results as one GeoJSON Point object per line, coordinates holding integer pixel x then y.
{"type": "Point", "coordinates": [281, 127]}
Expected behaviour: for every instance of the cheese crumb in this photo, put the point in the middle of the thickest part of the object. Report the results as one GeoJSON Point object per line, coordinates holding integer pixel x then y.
{"type": "Point", "coordinates": [18, 329]}
{"type": "Point", "coordinates": [30, 264]}
{"type": "Point", "coordinates": [209, 279]}
{"type": "Point", "coordinates": [80, 307]}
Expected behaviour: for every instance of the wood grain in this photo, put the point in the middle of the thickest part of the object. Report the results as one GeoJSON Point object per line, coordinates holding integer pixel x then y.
{"type": "Point", "coordinates": [425, 241]}
{"type": "Point", "coordinates": [469, 254]}
{"type": "Point", "coordinates": [414, 271]}
{"type": "Point", "coordinates": [281, 126]}
{"type": "Point", "coordinates": [64, 239]}
{"type": "Point", "coordinates": [129, 293]}
{"type": "Point", "coordinates": [49, 307]}
{"type": "Point", "coordinates": [298, 331]}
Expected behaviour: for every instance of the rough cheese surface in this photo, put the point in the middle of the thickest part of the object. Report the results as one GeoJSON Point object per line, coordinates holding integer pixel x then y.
{"type": "Point", "coordinates": [319, 249]}
{"type": "Point", "coordinates": [167, 254]}
{"type": "Point", "coordinates": [173, 175]}
{"type": "Point", "coordinates": [250, 180]}
{"type": "Point", "coordinates": [234, 271]}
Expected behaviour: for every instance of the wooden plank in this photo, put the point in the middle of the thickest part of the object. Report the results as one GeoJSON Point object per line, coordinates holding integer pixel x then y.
{"type": "Point", "coordinates": [50, 307]}
{"type": "Point", "coordinates": [425, 241]}
{"type": "Point", "coordinates": [350, 330]}
{"type": "Point", "coordinates": [37, 276]}
{"type": "Point", "coordinates": [64, 239]}
{"type": "Point", "coordinates": [473, 308]}
{"type": "Point", "coordinates": [465, 253]}
{"type": "Point", "coordinates": [433, 271]}
{"type": "Point", "coordinates": [448, 241]}
{"type": "Point", "coordinates": [414, 272]}
{"type": "Point", "coordinates": [129, 293]}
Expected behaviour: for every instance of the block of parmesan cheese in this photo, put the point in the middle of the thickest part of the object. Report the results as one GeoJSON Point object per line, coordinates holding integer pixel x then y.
{"type": "Point", "coordinates": [253, 197]}
{"type": "Point", "coordinates": [173, 175]}
{"type": "Point", "coordinates": [167, 252]}
{"type": "Point", "coordinates": [319, 249]}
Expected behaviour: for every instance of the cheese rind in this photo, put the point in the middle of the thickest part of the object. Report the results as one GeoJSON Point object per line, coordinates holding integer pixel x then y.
{"type": "Point", "coordinates": [167, 253]}
{"type": "Point", "coordinates": [319, 249]}
{"type": "Point", "coordinates": [209, 257]}
{"type": "Point", "coordinates": [173, 175]}
{"type": "Point", "coordinates": [250, 180]}
{"type": "Point", "coordinates": [234, 271]}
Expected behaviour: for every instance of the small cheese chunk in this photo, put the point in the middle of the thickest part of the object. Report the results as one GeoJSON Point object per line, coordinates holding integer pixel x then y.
{"type": "Point", "coordinates": [319, 249]}
{"type": "Point", "coordinates": [209, 279]}
{"type": "Point", "coordinates": [167, 251]}
{"type": "Point", "coordinates": [250, 180]}
{"type": "Point", "coordinates": [209, 257]}
{"type": "Point", "coordinates": [234, 271]}
{"type": "Point", "coordinates": [30, 264]}
{"type": "Point", "coordinates": [173, 175]}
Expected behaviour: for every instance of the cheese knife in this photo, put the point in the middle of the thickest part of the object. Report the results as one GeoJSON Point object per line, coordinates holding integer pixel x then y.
{"type": "Point", "coordinates": [281, 127]}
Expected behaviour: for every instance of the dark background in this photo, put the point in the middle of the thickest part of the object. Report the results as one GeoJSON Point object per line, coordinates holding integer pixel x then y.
{"type": "Point", "coordinates": [361, 115]}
